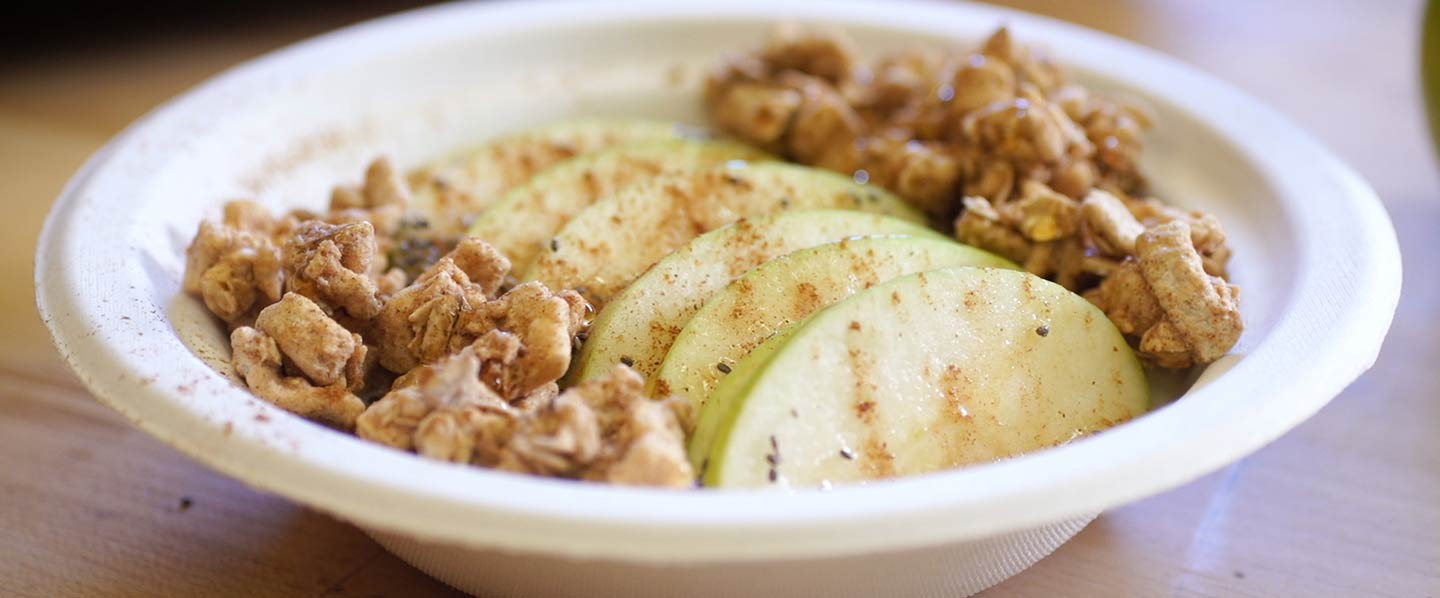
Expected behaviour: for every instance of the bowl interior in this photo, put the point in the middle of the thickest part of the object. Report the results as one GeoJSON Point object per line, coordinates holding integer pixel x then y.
{"type": "Point", "coordinates": [335, 122]}
{"type": "Point", "coordinates": [284, 129]}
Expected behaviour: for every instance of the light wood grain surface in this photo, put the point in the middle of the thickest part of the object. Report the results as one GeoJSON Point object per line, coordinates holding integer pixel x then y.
{"type": "Point", "coordinates": [1346, 505]}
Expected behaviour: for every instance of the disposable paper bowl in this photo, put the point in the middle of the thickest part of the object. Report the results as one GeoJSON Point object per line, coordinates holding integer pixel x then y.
{"type": "Point", "coordinates": [1315, 254]}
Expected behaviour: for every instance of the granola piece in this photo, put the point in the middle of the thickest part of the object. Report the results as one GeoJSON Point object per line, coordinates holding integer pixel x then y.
{"type": "Point", "coordinates": [235, 270]}
{"type": "Point", "coordinates": [604, 429]}
{"type": "Point", "coordinates": [259, 362]}
{"type": "Point", "coordinates": [1164, 346]}
{"type": "Point", "coordinates": [332, 265]}
{"type": "Point", "coordinates": [927, 176]}
{"type": "Point", "coordinates": [468, 420]}
{"type": "Point", "coordinates": [1028, 130]}
{"type": "Point", "coordinates": [1041, 260]}
{"type": "Point", "coordinates": [498, 351]}
{"type": "Point", "coordinates": [822, 124]}
{"type": "Point", "coordinates": [473, 433]}
{"type": "Point", "coordinates": [923, 118]}
{"type": "Point", "coordinates": [1126, 299]}
{"type": "Point", "coordinates": [1043, 215]}
{"type": "Point", "coordinates": [924, 173]}
{"type": "Point", "coordinates": [524, 336]}
{"type": "Point", "coordinates": [827, 54]}
{"type": "Point", "coordinates": [1077, 265]}
{"type": "Point", "coordinates": [990, 179]}
{"type": "Point", "coordinates": [1181, 315]}
{"type": "Point", "coordinates": [1030, 66]}
{"type": "Point", "coordinates": [545, 327]}
{"type": "Point", "coordinates": [482, 263]}
{"type": "Point", "coordinates": [240, 282]}
{"type": "Point", "coordinates": [248, 215]}
{"type": "Point", "coordinates": [381, 200]}
{"type": "Point", "coordinates": [1074, 178]}
{"type": "Point", "coordinates": [901, 79]}
{"type": "Point", "coordinates": [421, 322]}
{"type": "Point", "coordinates": [980, 82]}
{"type": "Point", "coordinates": [1115, 128]}
{"type": "Point", "coordinates": [388, 222]}
{"type": "Point", "coordinates": [1205, 231]}
{"type": "Point", "coordinates": [392, 420]}
{"type": "Point", "coordinates": [653, 453]}
{"type": "Point", "coordinates": [648, 448]}
{"type": "Point", "coordinates": [445, 411]}
{"type": "Point", "coordinates": [1074, 100]}
{"type": "Point", "coordinates": [580, 311]}
{"type": "Point", "coordinates": [442, 410]}
{"type": "Point", "coordinates": [645, 444]}
{"type": "Point", "coordinates": [448, 435]}
{"type": "Point", "coordinates": [410, 378]}
{"type": "Point", "coordinates": [784, 97]}
{"type": "Point", "coordinates": [314, 343]}
{"type": "Point", "coordinates": [759, 113]}
{"type": "Point", "coordinates": [1037, 230]}
{"type": "Point", "coordinates": [1024, 138]}
{"type": "Point", "coordinates": [390, 283]}
{"type": "Point", "coordinates": [383, 186]}
{"type": "Point", "coordinates": [537, 398]}
{"type": "Point", "coordinates": [982, 226]}
{"type": "Point", "coordinates": [1110, 222]}
{"type": "Point", "coordinates": [499, 348]}
{"type": "Point", "coordinates": [344, 197]}
{"type": "Point", "coordinates": [560, 439]}
{"type": "Point", "coordinates": [1203, 309]}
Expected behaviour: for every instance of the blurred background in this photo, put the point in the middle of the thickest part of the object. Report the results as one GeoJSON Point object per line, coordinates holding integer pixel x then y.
{"type": "Point", "coordinates": [1347, 505]}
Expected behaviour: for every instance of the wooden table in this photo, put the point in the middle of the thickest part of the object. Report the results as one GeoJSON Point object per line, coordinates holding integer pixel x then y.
{"type": "Point", "coordinates": [1346, 505]}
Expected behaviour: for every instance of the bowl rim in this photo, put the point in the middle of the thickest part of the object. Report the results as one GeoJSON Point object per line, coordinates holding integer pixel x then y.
{"type": "Point", "coordinates": [1344, 298]}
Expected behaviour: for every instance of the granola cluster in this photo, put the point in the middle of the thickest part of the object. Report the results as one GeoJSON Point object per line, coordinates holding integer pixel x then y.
{"type": "Point", "coordinates": [1028, 164]}
{"type": "Point", "coordinates": [603, 430]}
{"type": "Point", "coordinates": [330, 310]}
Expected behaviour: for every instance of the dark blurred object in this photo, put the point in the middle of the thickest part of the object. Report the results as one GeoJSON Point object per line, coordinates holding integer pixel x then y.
{"type": "Point", "coordinates": [38, 27]}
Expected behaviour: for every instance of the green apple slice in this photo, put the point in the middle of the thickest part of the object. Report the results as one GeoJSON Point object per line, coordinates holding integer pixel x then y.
{"type": "Point", "coordinates": [456, 187]}
{"type": "Point", "coordinates": [787, 290]}
{"type": "Point", "coordinates": [608, 244]}
{"type": "Point", "coordinates": [521, 224]}
{"type": "Point", "coordinates": [638, 325]}
{"type": "Point", "coordinates": [930, 371]}
{"type": "Point", "coordinates": [727, 393]}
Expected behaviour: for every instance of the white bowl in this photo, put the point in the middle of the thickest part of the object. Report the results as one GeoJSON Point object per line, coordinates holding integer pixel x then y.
{"type": "Point", "coordinates": [1315, 253]}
